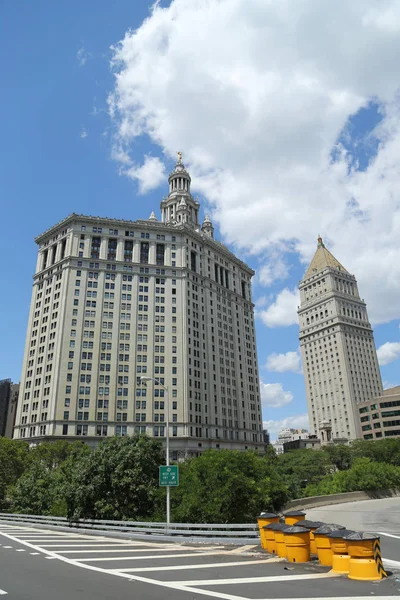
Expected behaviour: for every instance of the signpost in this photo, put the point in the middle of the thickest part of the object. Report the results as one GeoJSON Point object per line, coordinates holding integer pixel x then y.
{"type": "Point", "coordinates": [169, 476]}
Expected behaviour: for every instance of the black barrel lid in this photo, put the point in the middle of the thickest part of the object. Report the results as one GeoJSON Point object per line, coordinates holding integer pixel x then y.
{"type": "Point", "coordinates": [295, 529]}
{"type": "Point", "coordinates": [310, 524]}
{"type": "Point", "coordinates": [277, 526]}
{"type": "Point", "coordinates": [361, 535]}
{"type": "Point", "coordinates": [267, 515]}
{"type": "Point", "coordinates": [294, 513]}
{"type": "Point", "coordinates": [328, 528]}
{"type": "Point", "coordinates": [340, 533]}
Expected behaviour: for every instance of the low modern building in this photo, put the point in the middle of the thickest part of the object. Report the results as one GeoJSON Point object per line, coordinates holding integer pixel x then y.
{"type": "Point", "coordinates": [312, 442]}
{"type": "Point", "coordinates": [380, 417]}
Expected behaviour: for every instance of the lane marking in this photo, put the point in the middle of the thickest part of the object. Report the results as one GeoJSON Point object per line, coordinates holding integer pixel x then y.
{"type": "Point", "coordinates": [51, 557]}
{"type": "Point", "coordinates": [199, 566]}
{"type": "Point", "coordinates": [397, 537]}
{"type": "Point", "coordinates": [3, 593]}
{"type": "Point", "coordinates": [125, 549]}
{"type": "Point", "coordinates": [140, 557]}
{"type": "Point", "coordinates": [34, 553]}
{"type": "Point", "coordinates": [391, 563]}
{"type": "Point", "coordinates": [243, 549]}
{"type": "Point", "coordinates": [7, 547]}
{"type": "Point", "coordinates": [20, 550]}
{"type": "Point", "coordinates": [241, 580]}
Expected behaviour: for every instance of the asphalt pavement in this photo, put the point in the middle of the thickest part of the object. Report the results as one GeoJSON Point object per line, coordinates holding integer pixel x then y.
{"type": "Point", "coordinates": [53, 565]}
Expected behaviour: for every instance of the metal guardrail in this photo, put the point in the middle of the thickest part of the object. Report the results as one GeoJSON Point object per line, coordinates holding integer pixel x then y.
{"type": "Point", "coordinates": [241, 533]}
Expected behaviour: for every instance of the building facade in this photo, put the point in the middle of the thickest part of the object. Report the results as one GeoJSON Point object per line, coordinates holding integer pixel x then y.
{"type": "Point", "coordinates": [114, 301]}
{"type": "Point", "coordinates": [380, 417]}
{"type": "Point", "coordinates": [8, 406]}
{"type": "Point", "coordinates": [338, 351]}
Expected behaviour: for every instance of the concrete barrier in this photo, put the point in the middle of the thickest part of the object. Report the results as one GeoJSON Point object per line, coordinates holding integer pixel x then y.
{"type": "Point", "coordinates": [315, 501]}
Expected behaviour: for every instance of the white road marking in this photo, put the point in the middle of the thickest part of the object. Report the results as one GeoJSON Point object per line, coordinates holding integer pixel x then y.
{"type": "Point", "coordinates": [141, 557]}
{"type": "Point", "coordinates": [199, 566]}
{"type": "Point", "coordinates": [20, 550]}
{"type": "Point", "coordinates": [34, 553]}
{"type": "Point", "coordinates": [241, 580]}
{"type": "Point", "coordinates": [124, 549]}
{"type": "Point", "coordinates": [389, 535]}
{"type": "Point", "coordinates": [243, 549]}
{"type": "Point", "coordinates": [51, 557]}
{"type": "Point", "coordinates": [7, 547]}
{"type": "Point", "coordinates": [391, 563]}
{"type": "Point", "coordinates": [3, 593]}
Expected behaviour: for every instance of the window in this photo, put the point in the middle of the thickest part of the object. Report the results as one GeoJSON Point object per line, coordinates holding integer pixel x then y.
{"type": "Point", "coordinates": [160, 254]}
{"type": "Point", "coordinates": [144, 252]}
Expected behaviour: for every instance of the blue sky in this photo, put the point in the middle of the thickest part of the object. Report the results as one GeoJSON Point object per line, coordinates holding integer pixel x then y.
{"type": "Point", "coordinates": [256, 175]}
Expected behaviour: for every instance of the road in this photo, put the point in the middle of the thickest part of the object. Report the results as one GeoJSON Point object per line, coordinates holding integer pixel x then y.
{"type": "Point", "coordinates": [375, 516]}
{"type": "Point", "coordinates": [40, 564]}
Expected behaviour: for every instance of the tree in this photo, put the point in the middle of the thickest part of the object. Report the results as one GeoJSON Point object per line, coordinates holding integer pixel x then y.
{"type": "Point", "coordinates": [14, 457]}
{"type": "Point", "coordinates": [383, 451]}
{"type": "Point", "coordinates": [226, 486]}
{"type": "Point", "coordinates": [119, 480]}
{"type": "Point", "coordinates": [300, 468]}
{"type": "Point", "coordinates": [341, 456]}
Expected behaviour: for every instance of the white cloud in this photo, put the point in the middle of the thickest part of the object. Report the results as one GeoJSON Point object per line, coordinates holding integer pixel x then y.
{"type": "Point", "coordinates": [388, 352]}
{"type": "Point", "coordinates": [387, 385]}
{"type": "Point", "coordinates": [281, 363]}
{"type": "Point", "coordinates": [83, 133]}
{"type": "Point", "coordinates": [273, 395]}
{"type": "Point", "coordinates": [257, 106]}
{"type": "Point", "coordinates": [282, 311]}
{"type": "Point", "coordinates": [82, 55]}
{"type": "Point", "coordinates": [293, 422]}
{"type": "Point", "coordinates": [149, 175]}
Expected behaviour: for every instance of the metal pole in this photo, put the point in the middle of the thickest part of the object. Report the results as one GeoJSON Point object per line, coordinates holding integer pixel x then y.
{"type": "Point", "coordinates": [167, 456]}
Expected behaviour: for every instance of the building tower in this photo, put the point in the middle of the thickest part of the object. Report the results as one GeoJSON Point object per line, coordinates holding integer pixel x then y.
{"type": "Point", "coordinates": [337, 347]}
{"type": "Point", "coordinates": [114, 300]}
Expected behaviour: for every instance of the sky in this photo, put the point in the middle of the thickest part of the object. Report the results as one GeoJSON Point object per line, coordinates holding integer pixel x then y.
{"type": "Point", "coordinates": [287, 114]}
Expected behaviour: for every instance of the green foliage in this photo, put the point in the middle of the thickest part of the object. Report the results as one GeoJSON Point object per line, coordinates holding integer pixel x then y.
{"type": "Point", "coordinates": [364, 475]}
{"type": "Point", "coordinates": [14, 457]}
{"type": "Point", "coordinates": [382, 451]}
{"type": "Point", "coordinates": [301, 468]}
{"type": "Point", "coordinates": [340, 456]}
{"type": "Point", "coordinates": [119, 480]}
{"type": "Point", "coordinates": [224, 486]}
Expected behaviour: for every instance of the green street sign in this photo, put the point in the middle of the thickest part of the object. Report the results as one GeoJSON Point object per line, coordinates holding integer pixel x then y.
{"type": "Point", "coordinates": [169, 476]}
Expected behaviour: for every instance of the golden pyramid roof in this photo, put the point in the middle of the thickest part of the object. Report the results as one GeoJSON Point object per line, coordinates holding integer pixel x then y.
{"type": "Point", "coordinates": [323, 259]}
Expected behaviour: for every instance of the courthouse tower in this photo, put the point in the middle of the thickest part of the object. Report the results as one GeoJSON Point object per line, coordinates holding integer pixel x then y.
{"type": "Point", "coordinates": [338, 351]}
{"type": "Point", "coordinates": [114, 300]}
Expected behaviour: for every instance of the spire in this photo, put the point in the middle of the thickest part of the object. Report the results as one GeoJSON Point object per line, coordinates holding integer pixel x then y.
{"type": "Point", "coordinates": [152, 217]}
{"type": "Point", "coordinates": [323, 259]}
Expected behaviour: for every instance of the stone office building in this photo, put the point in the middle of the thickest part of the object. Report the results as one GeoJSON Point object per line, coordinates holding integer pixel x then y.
{"type": "Point", "coordinates": [338, 351]}
{"type": "Point", "coordinates": [116, 300]}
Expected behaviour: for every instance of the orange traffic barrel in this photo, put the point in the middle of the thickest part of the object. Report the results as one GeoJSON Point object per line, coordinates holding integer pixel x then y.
{"type": "Point", "coordinates": [323, 544]}
{"type": "Point", "coordinates": [293, 516]}
{"type": "Point", "coordinates": [297, 542]}
{"type": "Point", "coordinates": [340, 556]}
{"type": "Point", "coordinates": [365, 556]}
{"type": "Point", "coordinates": [312, 526]}
{"type": "Point", "coordinates": [280, 546]}
{"type": "Point", "coordinates": [265, 518]}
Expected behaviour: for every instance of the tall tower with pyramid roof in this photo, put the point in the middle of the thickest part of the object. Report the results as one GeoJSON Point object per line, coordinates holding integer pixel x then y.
{"type": "Point", "coordinates": [337, 345]}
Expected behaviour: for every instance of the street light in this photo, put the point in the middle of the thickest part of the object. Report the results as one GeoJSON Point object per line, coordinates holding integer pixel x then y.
{"type": "Point", "coordinates": [145, 378]}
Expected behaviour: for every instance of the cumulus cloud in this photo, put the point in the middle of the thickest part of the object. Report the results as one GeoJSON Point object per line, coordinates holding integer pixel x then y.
{"type": "Point", "coordinates": [83, 133]}
{"type": "Point", "coordinates": [388, 352]}
{"type": "Point", "coordinates": [273, 395]}
{"type": "Point", "coordinates": [294, 422]}
{"type": "Point", "coordinates": [149, 175]}
{"type": "Point", "coordinates": [282, 311]}
{"type": "Point", "coordinates": [258, 107]}
{"type": "Point", "coordinates": [281, 363]}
